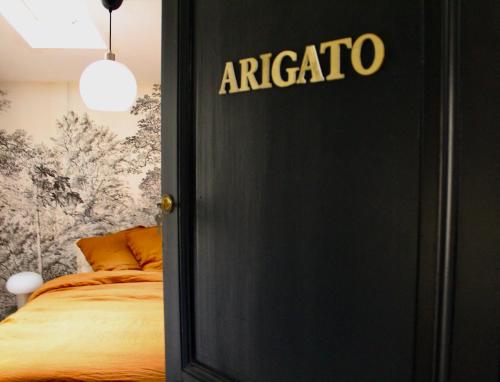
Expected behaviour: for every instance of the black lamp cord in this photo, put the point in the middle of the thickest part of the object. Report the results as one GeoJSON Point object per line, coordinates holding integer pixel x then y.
{"type": "Point", "coordinates": [110, 30]}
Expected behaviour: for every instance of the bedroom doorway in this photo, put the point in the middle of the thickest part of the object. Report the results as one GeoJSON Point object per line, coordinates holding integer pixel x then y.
{"type": "Point", "coordinates": [80, 226]}
{"type": "Point", "coordinates": [72, 171]}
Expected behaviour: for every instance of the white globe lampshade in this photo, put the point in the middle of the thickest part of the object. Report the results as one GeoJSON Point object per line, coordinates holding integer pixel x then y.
{"type": "Point", "coordinates": [108, 85]}
{"type": "Point", "coordinates": [24, 282]}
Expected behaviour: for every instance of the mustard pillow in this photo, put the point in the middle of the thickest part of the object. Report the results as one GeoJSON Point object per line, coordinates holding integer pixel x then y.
{"type": "Point", "coordinates": [146, 246]}
{"type": "Point", "coordinates": [109, 252]}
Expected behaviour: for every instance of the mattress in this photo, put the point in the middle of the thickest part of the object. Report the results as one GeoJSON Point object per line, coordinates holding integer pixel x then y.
{"type": "Point", "coordinates": [99, 326]}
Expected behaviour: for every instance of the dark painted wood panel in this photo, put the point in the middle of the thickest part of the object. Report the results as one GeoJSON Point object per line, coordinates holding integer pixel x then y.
{"type": "Point", "coordinates": [475, 336]}
{"type": "Point", "coordinates": [307, 198]}
{"type": "Point", "coordinates": [338, 231]}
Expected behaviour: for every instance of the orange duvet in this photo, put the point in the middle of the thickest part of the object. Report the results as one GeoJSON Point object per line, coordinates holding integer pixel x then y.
{"type": "Point", "coordinates": [100, 326]}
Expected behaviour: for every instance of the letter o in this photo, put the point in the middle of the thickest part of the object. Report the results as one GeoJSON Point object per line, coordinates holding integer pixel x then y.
{"type": "Point", "coordinates": [378, 57]}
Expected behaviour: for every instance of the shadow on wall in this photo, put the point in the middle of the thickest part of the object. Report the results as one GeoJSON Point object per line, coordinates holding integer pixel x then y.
{"type": "Point", "coordinates": [50, 196]}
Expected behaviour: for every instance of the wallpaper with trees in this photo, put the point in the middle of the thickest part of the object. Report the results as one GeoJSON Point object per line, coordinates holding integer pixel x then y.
{"type": "Point", "coordinates": [52, 195]}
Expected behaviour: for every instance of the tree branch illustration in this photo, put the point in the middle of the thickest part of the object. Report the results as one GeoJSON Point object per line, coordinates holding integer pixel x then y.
{"type": "Point", "coordinates": [4, 102]}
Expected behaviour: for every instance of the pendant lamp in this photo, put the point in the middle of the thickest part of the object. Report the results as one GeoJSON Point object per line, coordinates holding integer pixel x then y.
{"type": "Point", "coordinates": [108, 85]}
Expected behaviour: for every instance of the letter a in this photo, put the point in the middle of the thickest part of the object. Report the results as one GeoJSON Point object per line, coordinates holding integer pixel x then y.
{"type": "Point", "coordinates": [310, 62]}
{"type": "Point", "coordinates": [229, 77]}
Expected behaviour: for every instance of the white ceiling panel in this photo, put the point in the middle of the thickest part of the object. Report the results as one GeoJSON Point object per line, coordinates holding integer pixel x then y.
{"type": "Point", "coordinates": [136, 43]}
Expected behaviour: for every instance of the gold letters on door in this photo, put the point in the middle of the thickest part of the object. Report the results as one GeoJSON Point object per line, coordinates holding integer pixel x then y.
{"type": "Point", "coordinates": [295, 72]}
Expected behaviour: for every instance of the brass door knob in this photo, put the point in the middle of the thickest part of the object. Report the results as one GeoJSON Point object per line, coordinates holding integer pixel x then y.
{"type": "Point", "coordinates": [167, 203]}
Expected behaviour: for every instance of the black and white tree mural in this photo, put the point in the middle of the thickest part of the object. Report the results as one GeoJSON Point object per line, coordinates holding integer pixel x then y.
{"type": "Point", "coordinates": [52, 195]}
{"type": "Point", "coordinates": [4, 102]}
{"type": "Point", "coordinates": [145, 146]}
{"type": "Point", "coordinates": [51, 191]}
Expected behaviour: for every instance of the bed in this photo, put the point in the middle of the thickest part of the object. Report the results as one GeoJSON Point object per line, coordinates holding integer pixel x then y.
{"type": "Point", "coordinates": [95, 326]}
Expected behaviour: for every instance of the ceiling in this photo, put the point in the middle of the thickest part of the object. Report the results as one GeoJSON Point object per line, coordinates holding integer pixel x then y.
{"type": "Point", "coordinates": [136, 43]}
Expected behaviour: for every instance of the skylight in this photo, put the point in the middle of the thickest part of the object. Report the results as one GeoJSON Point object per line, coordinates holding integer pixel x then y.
{"type": "Point", "coordinates": [53, 23]}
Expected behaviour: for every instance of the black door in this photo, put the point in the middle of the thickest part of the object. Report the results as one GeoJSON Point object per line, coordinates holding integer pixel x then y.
{"type": "Point", "coordinates": [310, 240]}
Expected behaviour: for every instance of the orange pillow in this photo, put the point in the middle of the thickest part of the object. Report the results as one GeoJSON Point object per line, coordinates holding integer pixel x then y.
{"type": "Point", "coordinates": [109, 252]}
{"type": "Point", "coordinates": [146, 246]}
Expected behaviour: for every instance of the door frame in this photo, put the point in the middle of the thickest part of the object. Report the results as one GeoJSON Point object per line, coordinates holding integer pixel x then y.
{"type": "Point", "coordinates": [178, 180]}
